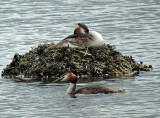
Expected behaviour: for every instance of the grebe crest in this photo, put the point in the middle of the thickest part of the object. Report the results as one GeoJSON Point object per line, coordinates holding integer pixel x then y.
{"type": "Point", "coordinates": [81, 29]}
{"type": "Point", "coordinates": [70, 77]}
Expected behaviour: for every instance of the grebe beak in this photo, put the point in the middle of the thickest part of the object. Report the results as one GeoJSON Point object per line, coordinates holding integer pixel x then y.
{"type": "Point", "coordinates": [65, 79]}
{"type": "Point", "coordinates": [85, 31]}
{"type": "Point", "coordinates": [61, 79]}
{"type": "Point", "coordinates": [57, 80]}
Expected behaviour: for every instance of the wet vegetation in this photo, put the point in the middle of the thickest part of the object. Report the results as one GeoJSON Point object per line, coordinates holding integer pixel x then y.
{"type": "Point", "coordinates": [47, 62]}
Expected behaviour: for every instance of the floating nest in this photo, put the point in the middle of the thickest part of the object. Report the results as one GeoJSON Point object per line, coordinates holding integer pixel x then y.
{"type": "Point", "coordinates": [47, 62]}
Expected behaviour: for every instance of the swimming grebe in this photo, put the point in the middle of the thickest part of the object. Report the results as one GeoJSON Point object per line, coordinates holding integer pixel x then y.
{"type": "Point", "coordinates": [92, 89]}
{"type": "Point", "coordinates": [83, 37]}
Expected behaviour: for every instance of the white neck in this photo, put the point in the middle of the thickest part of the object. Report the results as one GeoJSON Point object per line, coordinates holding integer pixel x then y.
{"type": "Point", "coordinates": [71, 88]}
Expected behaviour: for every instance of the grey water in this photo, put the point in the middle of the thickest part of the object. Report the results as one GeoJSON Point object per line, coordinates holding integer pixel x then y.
{"type": "Point", "coordinates": [132, 26]}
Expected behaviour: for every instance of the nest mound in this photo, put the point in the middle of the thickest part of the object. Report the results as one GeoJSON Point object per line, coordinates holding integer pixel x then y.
{"type": "Point", "coordinates": [47, 62]}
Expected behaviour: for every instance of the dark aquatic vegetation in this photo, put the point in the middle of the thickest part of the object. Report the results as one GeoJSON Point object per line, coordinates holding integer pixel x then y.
{"type": "Point", "coordinates": [47, 62]}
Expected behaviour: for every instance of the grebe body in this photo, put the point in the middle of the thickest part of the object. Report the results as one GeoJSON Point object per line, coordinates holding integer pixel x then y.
{"type": "Point", "coordinates": [91, 89]}
{"type": "Point", "coordinates": [83, 37]}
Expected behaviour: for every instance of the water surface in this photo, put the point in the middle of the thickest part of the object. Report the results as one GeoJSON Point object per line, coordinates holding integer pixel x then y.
{"type": "Point", "coordinates": [132, 26]}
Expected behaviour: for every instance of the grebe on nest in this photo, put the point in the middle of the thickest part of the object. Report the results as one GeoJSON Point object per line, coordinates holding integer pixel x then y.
{"type": "Point", "coordinates": [92, 89]}
{"type": "Point", "coordinates": [83, 37]}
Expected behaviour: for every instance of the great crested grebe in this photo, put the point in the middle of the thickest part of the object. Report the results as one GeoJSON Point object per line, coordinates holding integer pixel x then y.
{"type": "Point", "coordinates": [92, 89]}
{"type": "Point", "coordinates": [83, 37]}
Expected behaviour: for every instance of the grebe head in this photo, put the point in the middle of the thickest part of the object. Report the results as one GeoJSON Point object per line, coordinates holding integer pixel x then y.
{"type": "Point", "coordinates": [81, 28]}
{"type": "Point", "coordinates": [86, 30]}
{"type": "Point", "coordinates": [97, 38]}
{"type": "Point", "coordinates": [70, 77]}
